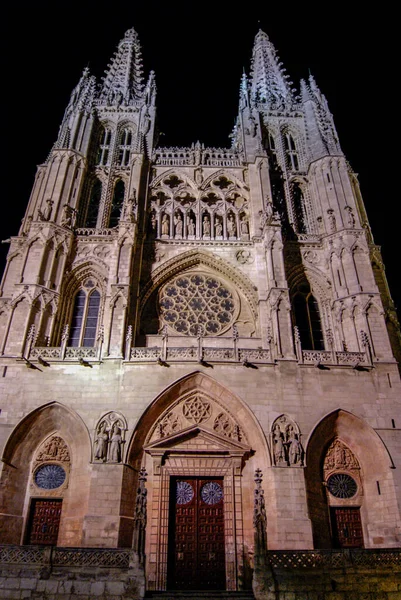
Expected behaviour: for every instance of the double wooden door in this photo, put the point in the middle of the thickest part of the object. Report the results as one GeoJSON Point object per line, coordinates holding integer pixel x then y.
{"type": "Point", "coordinates": [346, 527]}
{"type": "Point", "coordinates": [44, 522]}
{"type": "Point", "coordinates": [196, 534]}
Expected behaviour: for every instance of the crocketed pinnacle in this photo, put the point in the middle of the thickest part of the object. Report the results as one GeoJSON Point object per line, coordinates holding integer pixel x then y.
{"type": "Point", "coordinates": [123, 80]}
{"type": "Point", "coordinates": [269, 81]}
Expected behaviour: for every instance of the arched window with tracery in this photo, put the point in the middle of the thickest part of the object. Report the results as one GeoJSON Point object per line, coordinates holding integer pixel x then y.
{"type": "Point", "coordinates": [117, 203]}
{"type": "Point", "coordinates": [85, 316]}
{"type": "Point", "coordinates": [104, 146]}
{"type": "Point", "coordinates": [307, 318]}
{"type": "Point", "coordinates": [124, 148]}
{"type": "Point", "coordinates": [299, 207]}
{"type": "Point", "coordinates": [291, 152]}
{"type": "Point", "coordinates": [93, 205]}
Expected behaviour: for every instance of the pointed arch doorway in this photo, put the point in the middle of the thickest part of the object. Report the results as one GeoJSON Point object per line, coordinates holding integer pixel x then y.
{"type": "Point", "coordinates": [197, 434]}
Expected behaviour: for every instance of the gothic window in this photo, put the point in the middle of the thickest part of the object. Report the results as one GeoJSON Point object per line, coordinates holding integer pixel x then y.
{"type": "Point", "coordinates": [298, 204]}
{"type": "Point", "coordinates": [118, 199]}
{"type": "Point", "coordinates": [85, 317]}
{"type": "Point", "coordinates": [197, 305]}
{"type": "Point", "coordinates": [307, 318]}
{"type": "Point", "coordinates": [124, 148]}
{"type": "Point", "coordinates": [104, 147]}
{"type": "Point", "coordinates": [291, 152]}
{"type": "Point", "coordinates": [93, 206]}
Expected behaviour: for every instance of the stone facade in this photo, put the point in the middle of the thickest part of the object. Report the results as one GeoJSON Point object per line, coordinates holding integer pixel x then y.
{"type": "Point", "coordinates": [171, 314]}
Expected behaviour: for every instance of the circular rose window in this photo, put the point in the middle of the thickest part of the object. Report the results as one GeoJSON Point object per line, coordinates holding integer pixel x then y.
{"type": "Point", "coordinates": [211, 493]}
{"type": "Point", "coordinates": [197, 305]}
{"type": "Point", "coordinates": [50, 477]}
{"type": "Point", "coordinates": [185, 492]}
{"type": "Point", "coordinates": [341, 485]}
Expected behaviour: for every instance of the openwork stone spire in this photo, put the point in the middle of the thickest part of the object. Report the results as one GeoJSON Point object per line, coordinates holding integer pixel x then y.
{"type": "Point", "coordinates": [321, 131]}
{"type": "Point", "coordinates": [123, 80]}
{"type": "Point", "coordinates": [269, 80]}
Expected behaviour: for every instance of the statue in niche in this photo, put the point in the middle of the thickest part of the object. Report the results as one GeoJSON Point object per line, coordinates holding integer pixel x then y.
{"type": "Point", "coordinates": [68, 217]}
{"type": "Point", "coordinates": [206, 225]}
{"type": "Point", "coordinates": [46, 213]}
{"type": "Point", "coordinates": [153, 222]}
{"type": "Point", "coordinates": [332, 220]}
{"type": "Point", "coordinates": [295, 450]}
{"type": "Point", "coordinates": [115, 444]}
{"type": "Point", "coordinates": [244, 226]}
{"type": "Point", "coordinates": [191, 227]}
{"type": "Point", "coordinates": [351, 218]}
{"type": "Point", "coordinates": [278, 445]}
{"type": "Point", "coordinates": [219, 228]}
{"type": "Point", "coordinates": [231, 227]}
{"type": "Point", "coordinates": [178, 225]}
{"type": "Point", "coordinates": [101, 442]}
{"type": "Point", "coordinates": [165, 225]}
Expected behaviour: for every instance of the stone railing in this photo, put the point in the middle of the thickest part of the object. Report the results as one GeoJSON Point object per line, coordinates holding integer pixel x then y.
{"type": "Point", "coordinates": [121, 557]}
{"type": "Point", "coordinates": [65, 557]}
{"type": "Point", "coordinates": [61, 353]}
{"type": "Point", "coordinates": [325, 357]}
{"type": "Point", "coordinates": [92, 231]}
{"type": "Point", "coordinates": [312, 559]}
{"type": "Point", "coordinates": [196, 155]}
{"type": "Point", "coordinates": [196, 353]}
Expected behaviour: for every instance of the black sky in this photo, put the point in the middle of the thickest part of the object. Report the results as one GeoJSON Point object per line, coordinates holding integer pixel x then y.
{"type": "Point", "coordinates": [198, 52]}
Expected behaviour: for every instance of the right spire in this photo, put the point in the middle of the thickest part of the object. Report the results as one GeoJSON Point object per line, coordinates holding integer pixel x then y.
{"type": "Point", "coordinates": [269, 81]}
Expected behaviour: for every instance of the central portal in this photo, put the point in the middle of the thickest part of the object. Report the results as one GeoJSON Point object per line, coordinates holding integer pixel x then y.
{"type": "Point", "coordinates": [196, 540]}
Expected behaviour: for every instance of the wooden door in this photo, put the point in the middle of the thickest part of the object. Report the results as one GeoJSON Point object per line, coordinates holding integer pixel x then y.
{"type": "Point", "coordinates": [196, 540]}
{"type": "Point", "coordinates": [347, 527]}
{"type": "Point", "coordinates": [44, 522]}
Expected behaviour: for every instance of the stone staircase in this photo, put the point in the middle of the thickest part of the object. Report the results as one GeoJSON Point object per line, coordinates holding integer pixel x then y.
{"type": "Point", "coordinates": [200, 595]}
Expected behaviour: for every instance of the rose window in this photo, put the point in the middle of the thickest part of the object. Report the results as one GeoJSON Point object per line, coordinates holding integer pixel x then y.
{"type": "Point", "coordinates": [50, 477]}
{"type": "Point", "coordinates": [185, 492]}
{"type": "Point", "coordinates": [197, 305]}
{"type": "Point", "coordinates": [211, 493]}
{"type": "Point", "coordinates": [341, 485]}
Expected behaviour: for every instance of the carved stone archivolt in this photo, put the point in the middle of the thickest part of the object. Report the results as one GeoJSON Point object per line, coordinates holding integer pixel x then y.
{"type": "Point", "coordinates": [195, 409]}
{"type": "Point", "coordinates": [285, 443]}
{"type": "Point", "coordinates": [341, 474]}
{"type": "Point", "coordinates": [109, 439]}
{"type": "Point", "coordinates": [51, 466]}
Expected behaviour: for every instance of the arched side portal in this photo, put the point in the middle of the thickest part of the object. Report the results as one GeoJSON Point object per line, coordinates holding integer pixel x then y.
{"type": "Point", "coordinates": [198, 438]}
{"type": "Point", "coordinates": [25, 451]}
{"type": "Point", "coordinates": [344, 450]}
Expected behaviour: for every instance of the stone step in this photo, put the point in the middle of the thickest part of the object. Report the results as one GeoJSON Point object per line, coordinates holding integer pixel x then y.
{"type": "Point", "coordinates": [200, 595]}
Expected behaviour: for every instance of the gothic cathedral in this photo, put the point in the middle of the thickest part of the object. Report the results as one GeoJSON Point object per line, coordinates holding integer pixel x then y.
{"type": "Point", "coordinates": [198, 346]}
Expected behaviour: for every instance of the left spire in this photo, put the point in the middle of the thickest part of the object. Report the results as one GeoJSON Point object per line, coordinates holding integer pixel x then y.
{"type": "Point", "coordinates": [123, 80]}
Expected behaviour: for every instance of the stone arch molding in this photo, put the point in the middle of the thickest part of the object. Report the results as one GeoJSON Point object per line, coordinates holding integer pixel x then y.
{"type": "Point", "coordinates": [22, 452]}
{"type": "Point", "coordinates": [198, 428]}
{"type": "Point", "coordinates": [191, 259]}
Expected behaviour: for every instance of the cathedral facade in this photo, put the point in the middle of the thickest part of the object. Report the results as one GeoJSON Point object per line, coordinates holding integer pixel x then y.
{"type": "Point", "coordinates": [198, 343]}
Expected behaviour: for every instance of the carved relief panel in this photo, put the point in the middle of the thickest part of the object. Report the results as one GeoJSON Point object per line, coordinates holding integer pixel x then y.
{"type": "Point", "coordinates": [109, 438]}
{"type": "Point", "coordinates": [285, 443]}
{"type": "Point", "coordinates": [51, 467]}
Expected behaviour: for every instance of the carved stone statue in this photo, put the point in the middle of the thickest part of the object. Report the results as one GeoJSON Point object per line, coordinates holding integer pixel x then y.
{"type": "Point", "coordinates": [278, 445]}
{"type": "Point", "coordinates": [101, 442]}
{"type": "Point", "coordinates": [115, 445]}
{"type": "Point", "coordinates": [244, 226]}
{"type": "Point", "coordinates": [46, 213]}
{"type": "Point", "coordinates": [219, 228]}
{"type": "Point", "coordinates": [295, 450]}
{"type": "Point", "coordinates": [206, 225]}
{"type": "Point", "coordinates": [191, 227]}
{"type": "Point", "coordinates": [165, 225]}
{"type": "Point", "coordinates": [231, 227]}
{"type": "Point", "coordinates": [178, 225]}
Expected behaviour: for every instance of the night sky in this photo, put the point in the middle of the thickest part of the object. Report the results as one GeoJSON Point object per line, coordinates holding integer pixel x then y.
{"type": "Point", "coordinates": [198, 52]}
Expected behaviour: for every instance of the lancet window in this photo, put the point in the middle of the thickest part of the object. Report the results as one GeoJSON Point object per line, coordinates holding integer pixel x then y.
{"type": "Point", "coordinates": [117, 202]}
{"type": "Point", "coordinates": [299, 207]}
{"type": "Point", "coordinates": [291, 152]}
{"type": "Point", "coordinates": [307, 318]}
{"type": "Point", "coordinates": [124, 149]}
{"type": "Point", "coordinates": [85, 316]}
{"type": "Point", "coordinates": [93, 206]}
{"type": "Point", "coordinates": [104, 147]}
